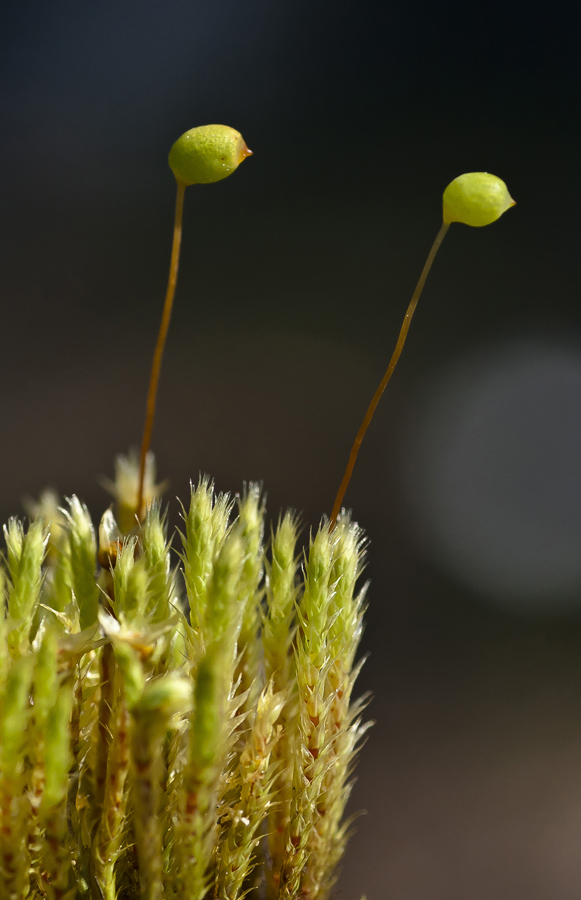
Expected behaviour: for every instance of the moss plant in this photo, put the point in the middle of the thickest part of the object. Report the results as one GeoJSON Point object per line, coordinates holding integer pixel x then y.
{"type": "Point", "coordinates": [177, 722]}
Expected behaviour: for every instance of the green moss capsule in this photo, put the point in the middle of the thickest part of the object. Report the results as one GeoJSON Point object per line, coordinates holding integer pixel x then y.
{"type": "Point", "coordinates": [207, 153]}
{"type": "Point", "coordinates": [476, 198]}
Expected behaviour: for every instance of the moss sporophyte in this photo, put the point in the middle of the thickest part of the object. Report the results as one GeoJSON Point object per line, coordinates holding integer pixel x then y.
{"type": "Point", "coordinates": [180, 723]}
{"type": "Point", "coordinates": [202, 155]}
{"type": "Point", "coordinates": [476, 198]}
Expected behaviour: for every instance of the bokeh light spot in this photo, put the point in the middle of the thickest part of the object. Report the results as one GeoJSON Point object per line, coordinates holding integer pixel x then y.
{"type": "Point", "coordinates": [493, 475]}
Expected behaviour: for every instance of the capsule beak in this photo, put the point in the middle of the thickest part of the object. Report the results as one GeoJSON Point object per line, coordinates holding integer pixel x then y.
{"type": "Point", "coordinates": [244, 152]}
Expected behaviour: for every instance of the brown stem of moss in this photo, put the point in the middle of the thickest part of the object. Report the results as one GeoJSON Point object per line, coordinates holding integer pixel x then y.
{"type": "Point", "coordinates": [58, 874]}
{"type": "Point", "coordinates": [106, 701]}
{"type": "Point", "coordinates": [392, 364]}
{"type": "Point", "coordinates": [109, 838]}
{"type": "Point", "coordinates": [161, 339]}
{"type": "Point", "coordinates": [147, 758]}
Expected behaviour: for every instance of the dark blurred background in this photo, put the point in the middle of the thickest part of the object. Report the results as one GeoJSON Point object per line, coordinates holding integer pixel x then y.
{"type": "Point", "coordinates": [296, 273]}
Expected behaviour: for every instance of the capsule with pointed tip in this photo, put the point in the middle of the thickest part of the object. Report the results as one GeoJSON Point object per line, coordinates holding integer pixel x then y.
{"type": "Point", "coordinates": [476, 198]}
{"type": "Point", "coordinates": [207, 153]}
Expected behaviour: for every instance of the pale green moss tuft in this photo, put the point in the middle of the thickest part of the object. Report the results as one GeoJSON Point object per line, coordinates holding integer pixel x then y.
{"type": "Point", "coordinates": [175, 734]}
